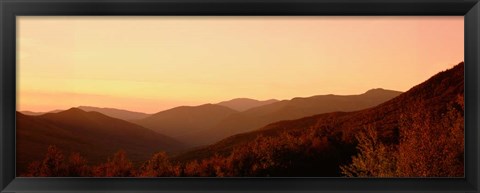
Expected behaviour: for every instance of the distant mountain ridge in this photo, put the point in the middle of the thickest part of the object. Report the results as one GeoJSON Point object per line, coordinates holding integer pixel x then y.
{"type": "Point", "coordinates": [32, 113]}
{"type": "Point", "coordinates": [208, 123]}
{"type": "Point", "coordinates": [243, 104]}
{"type": "Point", "coordinates": [184, 120]}
{"type": "Point", "coordinates": [293, 109]}
{"type": "Point", "coordinates": [92, 134]}
{"type": "Point", "coordinates": [116, 113]}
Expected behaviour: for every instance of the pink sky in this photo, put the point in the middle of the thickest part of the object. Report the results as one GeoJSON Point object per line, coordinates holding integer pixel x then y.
{"type": "Point", "coordinates": [150, 64]}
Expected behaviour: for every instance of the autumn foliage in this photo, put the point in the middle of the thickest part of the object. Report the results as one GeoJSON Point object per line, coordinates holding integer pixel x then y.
{"type": "Point", "coordinates": [55, 164]}
{"type": "Point", "coordinates": [374, 158]}
{"type": "Point", "coordinates": [116, 166]}
{"type": "Point", "coordinates": [424, 149]}
{"type": "Point", "coordinates": [291, 153]}
{"type": "Point", "coordinates": [429, 146]}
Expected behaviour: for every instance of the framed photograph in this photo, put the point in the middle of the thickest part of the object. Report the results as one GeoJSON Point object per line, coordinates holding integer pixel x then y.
{"type": "Point", "coordinates": [239, 96]}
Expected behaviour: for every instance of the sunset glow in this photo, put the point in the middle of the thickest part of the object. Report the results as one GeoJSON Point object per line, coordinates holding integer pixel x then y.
{"type": "Point", "coordinates": [149, 64]}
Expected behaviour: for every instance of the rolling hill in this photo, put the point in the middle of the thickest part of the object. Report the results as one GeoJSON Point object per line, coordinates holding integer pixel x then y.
{"type": "Point", "coordinates": [116, 113]}
{"type": "Point", "coordinates": [92, 134]}
{"type": "Point", "coordinates": [243, 104]}
{"type": "Point", "coordinates": [425, 124]}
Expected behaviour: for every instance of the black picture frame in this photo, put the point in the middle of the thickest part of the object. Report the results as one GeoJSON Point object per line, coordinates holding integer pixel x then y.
{"type": "Point", "coordinates": [9, 9]}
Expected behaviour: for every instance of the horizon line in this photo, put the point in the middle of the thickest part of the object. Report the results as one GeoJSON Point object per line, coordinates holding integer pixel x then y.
{"type": "Point", "coordinates": [150, 113]}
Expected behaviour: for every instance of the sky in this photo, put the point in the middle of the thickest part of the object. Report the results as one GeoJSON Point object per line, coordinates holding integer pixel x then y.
{"type": "Point", "coordinates": [150, 64]}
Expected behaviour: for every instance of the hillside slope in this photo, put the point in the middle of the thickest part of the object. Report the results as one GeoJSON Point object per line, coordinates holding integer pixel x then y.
{"type": "Point", "coordinates": [186, 120]}
{"type": "Point", "coordinates": [424, 124]}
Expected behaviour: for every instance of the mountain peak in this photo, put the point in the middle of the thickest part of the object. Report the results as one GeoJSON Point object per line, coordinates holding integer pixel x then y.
{"type": "Point", "coordinates": [70, 113]}
{"type": "Point", "coordinates": [375, 90]}
{"type": "Point", "coordinates": [380, 91]}
{"type": "Point", "coordinates": [72, 110]}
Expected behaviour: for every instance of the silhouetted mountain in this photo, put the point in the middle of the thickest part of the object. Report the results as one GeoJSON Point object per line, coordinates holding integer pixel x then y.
{"type": "Point", "coordinates": [116, 113]}
{"type": "Point", "coordinates": [186, 120]}
{"type": "Point", "coordinates": [243, 104]}
{"type": "Point", "coordinates": [92, 134]}
{"type": "Point", "coordinates": [39, 113]}
{"type": "Point", "coordinates": [429, 116]}
{"type": "Point", "coordinates": [291, 109]}
{"type": "Point", "coordinates": [111, 112]}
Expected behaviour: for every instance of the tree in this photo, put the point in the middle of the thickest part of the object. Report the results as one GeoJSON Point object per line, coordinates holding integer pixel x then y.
{"type": "Point", "coordinates": [432, 143]}
{"type": "Point", "coordinates": [116, 166]}
{"type": "Point", "coordinates": [34, 169]}
{"type": "Point", "coordinates": [78, 166]}
{"type": "Point", "coordinates": [159, 165]}
{"type": "Point", "coordinates": [375, 159]}
{"type": "Point", "coordinates": [192, 169]}
{"type": "Point", "coordinates": [53, 164]}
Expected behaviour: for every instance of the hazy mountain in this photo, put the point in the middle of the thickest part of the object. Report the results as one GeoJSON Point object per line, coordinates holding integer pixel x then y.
{"type": "Point", "coordinates": [422, 130]}
{"type": "Point", "coordinates": [92, 134]}
{"type": "Point", "coordinates": [38, 113]}
{"type": "Point", "coordinates": [439, 101]}
{"type": "Point", "coordinates": [205, 124]}
{"type": "Point", "coordinates": [291, 109]}
{"type": "Point", "coordinates": [186, 120]}
{"type": "Point", "coordinates": [116, 113]}
{"type": "Point", "coordinates": [243, 104]}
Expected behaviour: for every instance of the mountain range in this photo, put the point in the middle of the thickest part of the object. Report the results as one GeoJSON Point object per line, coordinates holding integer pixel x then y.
{"type": "Point", "coordinates": [206, 124]}
{"type": "Point", "coordinates": [323, 126]}
{"type": "Point", "coordinates": [292, 109]}
{"type": "Point", "coordinates": [91, 134]}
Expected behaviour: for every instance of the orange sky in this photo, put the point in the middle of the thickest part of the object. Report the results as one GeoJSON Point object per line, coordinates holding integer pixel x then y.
{"type": "Point", "coordinates": [151, 64]}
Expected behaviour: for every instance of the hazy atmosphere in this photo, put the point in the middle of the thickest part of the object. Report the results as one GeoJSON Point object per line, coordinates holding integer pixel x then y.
{"type": "Point", "coordinates": [240, 97]}
{"type": "Point", "coordinates": [150, 64]}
